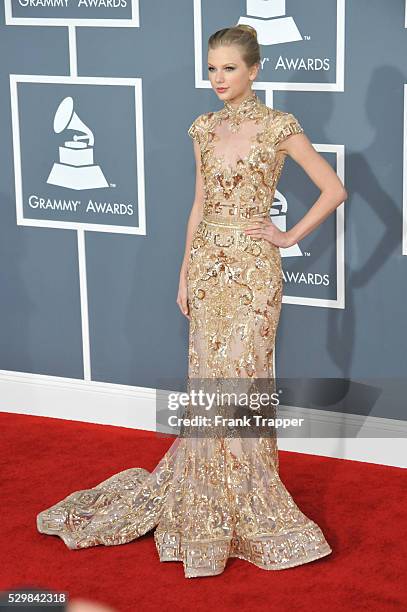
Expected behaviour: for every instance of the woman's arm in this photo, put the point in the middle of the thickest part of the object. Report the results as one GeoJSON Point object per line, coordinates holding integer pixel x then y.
{"type": "Point", "coordinates": [333, 193]}
{"type": "Point", "coordinates": [194, 218]}
{"type": "Point", "coordinates": [197, 209]}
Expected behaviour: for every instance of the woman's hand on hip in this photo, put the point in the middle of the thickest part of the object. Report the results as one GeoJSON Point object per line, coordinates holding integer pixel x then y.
{"type": "Point", "coordinates": [266, 230]}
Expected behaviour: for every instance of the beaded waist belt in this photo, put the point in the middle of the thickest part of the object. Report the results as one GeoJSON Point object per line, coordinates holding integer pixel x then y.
{"type": "Point", "coordinates": [237, 225]}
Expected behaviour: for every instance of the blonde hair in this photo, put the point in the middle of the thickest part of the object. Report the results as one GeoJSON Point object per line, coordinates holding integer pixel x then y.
{"type": "Point", "coordinates": [240, 34]}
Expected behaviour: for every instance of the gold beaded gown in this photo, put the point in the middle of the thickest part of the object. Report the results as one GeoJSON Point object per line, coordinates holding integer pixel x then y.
{"type": "Point", "coordinates": [215, 497]}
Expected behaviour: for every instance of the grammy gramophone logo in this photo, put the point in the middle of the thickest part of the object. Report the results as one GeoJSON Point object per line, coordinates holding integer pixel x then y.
{"type": "Point", "coordinates": [278, 214]}
{"type": "Point", "coordinates": [76, 168]}
{"type": "Point", "coordinates": [270, 22]}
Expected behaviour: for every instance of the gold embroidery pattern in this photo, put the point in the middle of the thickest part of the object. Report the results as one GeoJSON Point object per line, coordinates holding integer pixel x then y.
{"type": "Point", "coordinates": [210, 499]}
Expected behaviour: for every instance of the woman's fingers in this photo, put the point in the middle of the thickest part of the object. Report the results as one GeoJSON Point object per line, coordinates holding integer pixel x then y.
{"type": "Point", "coordinates": [183, 305]}
{"type": "Point", "coordinates": [253, 227]}
{"type": "Point", "coordinates": [185, 309]}
{"type": "Point", "coordinates": [255, 233]}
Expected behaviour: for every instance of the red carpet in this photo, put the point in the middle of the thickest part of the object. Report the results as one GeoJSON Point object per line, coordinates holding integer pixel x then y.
{"type": "Point", "coordinates": [360, 507]}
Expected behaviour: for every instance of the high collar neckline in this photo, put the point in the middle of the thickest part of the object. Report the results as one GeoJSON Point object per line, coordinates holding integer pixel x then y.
{"type": "Point", "coordinates": [244, 107]}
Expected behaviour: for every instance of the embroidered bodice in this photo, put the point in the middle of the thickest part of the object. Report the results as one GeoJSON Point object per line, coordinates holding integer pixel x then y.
{"type": "Point", "coordinates": [240, 161]}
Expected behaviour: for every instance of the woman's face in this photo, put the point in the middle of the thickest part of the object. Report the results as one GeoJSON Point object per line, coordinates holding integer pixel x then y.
{"type": "Point", "coordinates": [229, 76]}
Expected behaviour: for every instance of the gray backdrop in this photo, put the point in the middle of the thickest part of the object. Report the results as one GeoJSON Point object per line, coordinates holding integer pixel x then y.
{"type": "Point", "coordinates": [137, 333]}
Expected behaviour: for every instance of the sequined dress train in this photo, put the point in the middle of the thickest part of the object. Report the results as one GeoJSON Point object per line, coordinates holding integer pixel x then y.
{"type": "Point", "coordinates": [212, 498]}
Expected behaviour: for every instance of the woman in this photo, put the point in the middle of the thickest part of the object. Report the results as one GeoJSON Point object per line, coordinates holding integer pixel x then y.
{"type": "Point", "coordinates": [214, 496]}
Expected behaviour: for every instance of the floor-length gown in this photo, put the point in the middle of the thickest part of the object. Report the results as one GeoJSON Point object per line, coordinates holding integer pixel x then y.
{"type": "Point", "coordinates": [212, 498]}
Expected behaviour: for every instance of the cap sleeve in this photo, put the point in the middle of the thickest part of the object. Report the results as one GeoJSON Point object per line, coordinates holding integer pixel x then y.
{"type": "Point", "coordinates": [287, 126]}
{"type": "Point", "coordinates": [196, 129]}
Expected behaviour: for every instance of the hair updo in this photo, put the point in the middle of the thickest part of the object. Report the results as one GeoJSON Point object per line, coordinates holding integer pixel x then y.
{"type": "Point", "coordinates": [240, 34]}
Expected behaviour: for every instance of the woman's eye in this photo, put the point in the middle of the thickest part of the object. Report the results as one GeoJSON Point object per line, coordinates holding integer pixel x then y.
{"type": "Point", "coordinates": [211, 68]}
